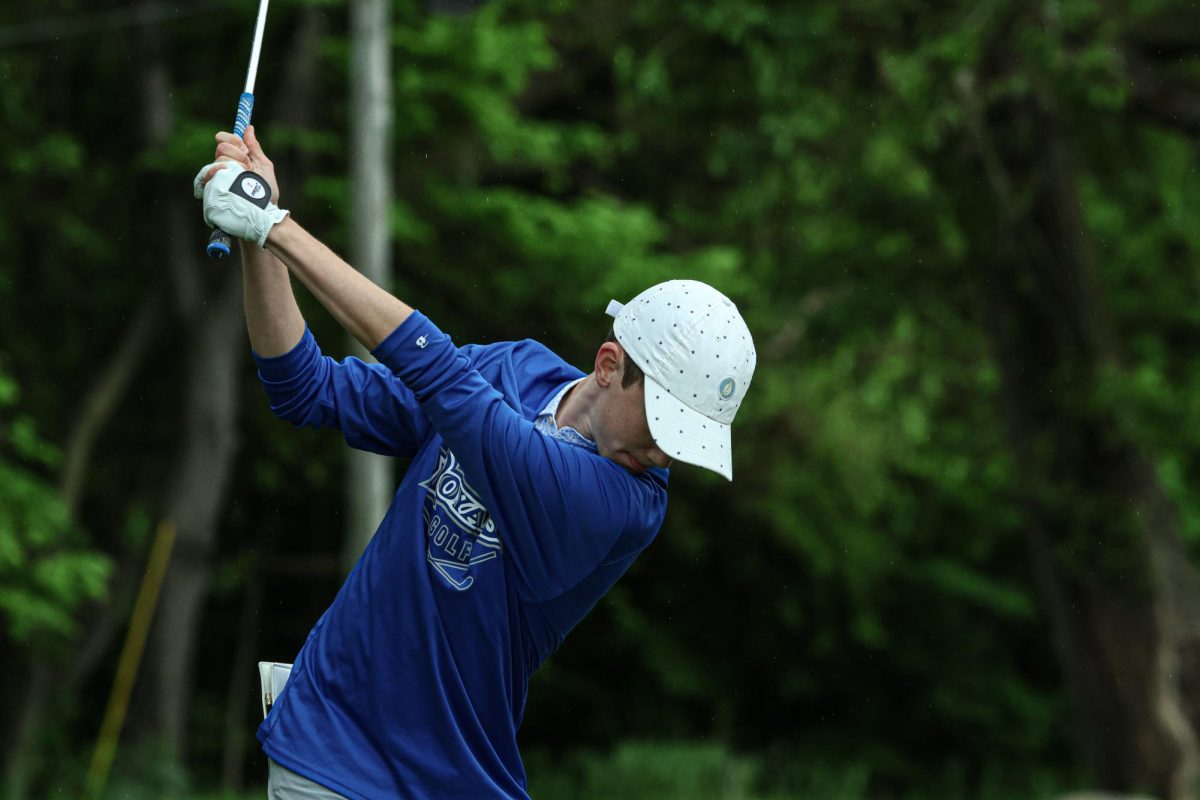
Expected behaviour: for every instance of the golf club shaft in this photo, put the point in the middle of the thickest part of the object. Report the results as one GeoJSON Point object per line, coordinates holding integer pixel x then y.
{"type": "Point", "coordinates": [219, 242]}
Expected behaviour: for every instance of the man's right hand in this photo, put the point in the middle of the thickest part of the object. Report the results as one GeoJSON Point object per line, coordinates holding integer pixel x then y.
{"type": "Point", "coordinates": [247, 152]}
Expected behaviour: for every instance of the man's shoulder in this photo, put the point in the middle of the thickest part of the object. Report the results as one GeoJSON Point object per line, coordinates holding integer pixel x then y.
{"type": "Point", "coordinates": [524, 349]}
{"type": "Point", "coordinates": [527, 356]}
{"type": "Point", "coordinates": [526, 368]}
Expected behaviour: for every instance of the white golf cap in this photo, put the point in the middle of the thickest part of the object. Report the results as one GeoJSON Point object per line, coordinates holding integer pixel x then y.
{"type": "Point", "coordinates": [698, 357]}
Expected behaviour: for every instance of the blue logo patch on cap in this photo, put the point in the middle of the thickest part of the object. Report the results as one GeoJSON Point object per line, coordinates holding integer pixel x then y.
{"type": "Point", "coordinates": [727, 388]}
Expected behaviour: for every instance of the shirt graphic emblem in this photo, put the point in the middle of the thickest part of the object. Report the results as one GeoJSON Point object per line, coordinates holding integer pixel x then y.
{"type": "Point", "coordinates": [460, 532]}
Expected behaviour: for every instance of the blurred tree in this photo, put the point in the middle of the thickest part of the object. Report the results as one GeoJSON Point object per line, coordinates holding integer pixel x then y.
{"type": "Point", "coordinates": [211, 348]}
{"type": "Point", "coordinates": [1105, 536]}
{"type": "Point", "coordinates": [370, 478]}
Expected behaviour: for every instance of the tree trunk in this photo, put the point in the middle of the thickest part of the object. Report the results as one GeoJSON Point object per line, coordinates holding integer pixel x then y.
{"type": "Point", "coordinates": [196, 497]}
{"type": "Point", "coordinates": [370, 479]}
{"type": "Point", "coordinates": [37, 684]}
{"type": "Point", "coordinates": [106, 394]}
{"type": "Point", "coordinates": [208, 298]}
{"type": "Point", "coordinates": [1103, 535]}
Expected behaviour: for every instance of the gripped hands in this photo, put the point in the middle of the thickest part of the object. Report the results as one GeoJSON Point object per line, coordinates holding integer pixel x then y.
{"type": "Point", "coordinates": [248, 153]}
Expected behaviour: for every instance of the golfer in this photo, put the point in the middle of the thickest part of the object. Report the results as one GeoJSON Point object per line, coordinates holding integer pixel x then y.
{"type": "Point", "coordinates": [532, 488]}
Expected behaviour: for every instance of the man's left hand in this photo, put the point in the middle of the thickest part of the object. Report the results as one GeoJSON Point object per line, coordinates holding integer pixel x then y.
{"type": "Point", "coordinates": [229, 211]}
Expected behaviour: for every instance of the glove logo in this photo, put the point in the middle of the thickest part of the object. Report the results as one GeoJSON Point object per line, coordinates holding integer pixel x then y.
{"type": "Point", "coordinates": [253, 188]}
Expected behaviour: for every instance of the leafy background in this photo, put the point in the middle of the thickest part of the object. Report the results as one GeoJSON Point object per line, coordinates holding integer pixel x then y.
{"type": "Point", "coordinates": [859, 614]}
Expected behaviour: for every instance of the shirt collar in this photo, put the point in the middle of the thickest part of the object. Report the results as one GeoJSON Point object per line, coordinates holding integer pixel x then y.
{"type": "Point", "coordinates": [547, 424]}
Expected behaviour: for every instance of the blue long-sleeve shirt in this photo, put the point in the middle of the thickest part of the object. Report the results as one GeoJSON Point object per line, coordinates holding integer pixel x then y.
{"type": "Point", "coordinates": [498, 542]}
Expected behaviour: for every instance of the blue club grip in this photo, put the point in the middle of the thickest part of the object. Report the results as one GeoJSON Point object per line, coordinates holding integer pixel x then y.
{"type": "Point", "coordinates": [245, 109]}
{"type": "Point", "coordinates": [219, 242]}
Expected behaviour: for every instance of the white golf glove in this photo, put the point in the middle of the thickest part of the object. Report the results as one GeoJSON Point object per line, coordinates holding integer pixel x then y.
{"type": "Point", "coordinates": [232, 206]}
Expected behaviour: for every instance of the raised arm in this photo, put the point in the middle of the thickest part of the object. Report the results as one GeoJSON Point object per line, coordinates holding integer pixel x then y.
{"type": "Point", "coordinates": [365, 310]}
{"type": "Point", "coordinates": [373, 410]}
{"type": "Point", "coordinates": [273, 318]}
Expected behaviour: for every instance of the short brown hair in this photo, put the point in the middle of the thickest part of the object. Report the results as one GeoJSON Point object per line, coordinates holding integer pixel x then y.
{"type": "Point", "coordinates": [631, 372]}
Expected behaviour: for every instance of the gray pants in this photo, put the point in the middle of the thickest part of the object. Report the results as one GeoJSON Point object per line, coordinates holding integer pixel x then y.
{"type": "Point", "coordinates": [283, 784]}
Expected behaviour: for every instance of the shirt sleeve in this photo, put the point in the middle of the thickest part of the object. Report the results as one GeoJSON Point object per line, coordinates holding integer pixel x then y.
{"type": "Point", "coordinates": [560, 511]}
{"type": "Point", "coordinates": [372, 409]}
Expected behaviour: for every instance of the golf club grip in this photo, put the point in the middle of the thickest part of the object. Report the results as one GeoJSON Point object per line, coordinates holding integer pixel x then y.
{"type": "Point", "coordinates": [245, 109]}
{"type": "Point", "coordinates": [220, 243]}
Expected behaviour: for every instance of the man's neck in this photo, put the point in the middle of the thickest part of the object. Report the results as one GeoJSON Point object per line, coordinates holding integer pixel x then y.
{"type": "Point", "coordinates": [575, 407]}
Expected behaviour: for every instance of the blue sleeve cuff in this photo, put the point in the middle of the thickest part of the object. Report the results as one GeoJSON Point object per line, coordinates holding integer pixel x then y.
{"type": "Point", "coordinates": [275, 369]}
{"type": "Point", "coordinates": [421, 356]}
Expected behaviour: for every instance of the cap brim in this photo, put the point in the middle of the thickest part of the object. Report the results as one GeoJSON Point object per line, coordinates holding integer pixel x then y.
{"type": "Point", "coordinates": [687, 435]}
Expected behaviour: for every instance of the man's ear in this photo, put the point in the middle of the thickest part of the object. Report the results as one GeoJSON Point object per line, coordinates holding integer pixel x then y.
{"type": "Point", "coordinates": [610, 363]}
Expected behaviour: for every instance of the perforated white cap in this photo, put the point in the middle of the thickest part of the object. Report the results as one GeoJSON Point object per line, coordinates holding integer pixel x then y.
{"type": "Point", "coordinates": [698, 357]}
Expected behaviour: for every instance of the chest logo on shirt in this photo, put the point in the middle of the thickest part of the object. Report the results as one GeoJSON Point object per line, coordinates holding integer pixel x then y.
{"type": "Point", "coordinates": [460, 533]}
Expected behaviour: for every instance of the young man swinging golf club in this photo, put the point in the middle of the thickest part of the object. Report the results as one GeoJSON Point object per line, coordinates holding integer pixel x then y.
{"type": "Point", "coordinates": [532, 488]}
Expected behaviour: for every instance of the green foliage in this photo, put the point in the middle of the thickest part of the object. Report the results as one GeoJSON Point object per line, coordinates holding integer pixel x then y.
{"type": "Point", "coordinates": [45, 572]}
